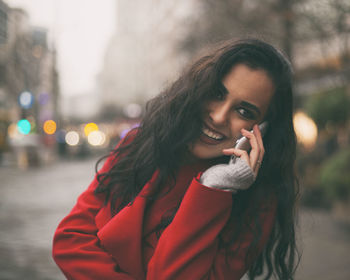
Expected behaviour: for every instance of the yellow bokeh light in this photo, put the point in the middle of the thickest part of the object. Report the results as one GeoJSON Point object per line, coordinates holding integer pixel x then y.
{"type": "Point", "coordinates": [305, 129]}
{"type": "Point", "coordinates": [49, 127]}
{"type": "Point", "coordinates": [72, 138]}
{"type": "Point", "coordinates": [90, 127]}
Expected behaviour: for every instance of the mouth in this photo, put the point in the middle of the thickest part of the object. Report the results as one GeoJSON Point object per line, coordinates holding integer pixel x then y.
{"type": "Point", "coordinates": [211, 137]}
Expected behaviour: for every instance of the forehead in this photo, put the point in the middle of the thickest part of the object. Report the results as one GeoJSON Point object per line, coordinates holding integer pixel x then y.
{"type": "Point", "coordinates": [251, 85]}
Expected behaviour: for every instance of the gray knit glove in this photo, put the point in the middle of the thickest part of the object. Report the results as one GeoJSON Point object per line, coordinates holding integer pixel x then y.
{"type": "Point", "coordinates": [237, 175]}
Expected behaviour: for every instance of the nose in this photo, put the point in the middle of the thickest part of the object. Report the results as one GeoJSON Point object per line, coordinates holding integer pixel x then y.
{"type": "Point", "coordinates": [219, 114]}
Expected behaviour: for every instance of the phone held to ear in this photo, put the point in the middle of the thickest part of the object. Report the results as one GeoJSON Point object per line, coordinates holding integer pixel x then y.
{"type": "Point", "coordinates": [243, 142]}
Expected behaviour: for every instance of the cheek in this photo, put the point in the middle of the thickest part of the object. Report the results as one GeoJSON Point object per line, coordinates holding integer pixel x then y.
{"type": "Point", "coordinates": [237, 124]}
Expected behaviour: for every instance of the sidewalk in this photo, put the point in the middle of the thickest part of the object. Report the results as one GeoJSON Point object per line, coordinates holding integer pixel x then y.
{"type": "Point", "coordinates": [325, 247]}
{"type": "Point", "coordinates": [32, 203]}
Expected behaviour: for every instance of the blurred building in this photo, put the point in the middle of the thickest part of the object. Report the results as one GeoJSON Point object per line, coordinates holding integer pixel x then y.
{"type": "Point", "coordinates": [82, 106]}
{"type": "Point", "coordinates": [28, 78]}
{"type": "Point", "coordinates": [142, 57]}
{"type": "Point", "coordinates": [4, 49]}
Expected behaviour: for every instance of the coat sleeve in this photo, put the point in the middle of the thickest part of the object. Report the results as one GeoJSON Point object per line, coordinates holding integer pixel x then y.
{"type": "Point", "coordinates": [188, 247]}
{"type": "Point", "coordinates": [76, 248]}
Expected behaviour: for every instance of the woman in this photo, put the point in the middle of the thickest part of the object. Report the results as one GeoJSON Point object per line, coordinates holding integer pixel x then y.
{"type": "Point", "coordinates": [167, 203]}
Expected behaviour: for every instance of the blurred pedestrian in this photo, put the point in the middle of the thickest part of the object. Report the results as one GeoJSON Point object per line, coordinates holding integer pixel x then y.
{"type": "Point", "coordinates": [176, 200]}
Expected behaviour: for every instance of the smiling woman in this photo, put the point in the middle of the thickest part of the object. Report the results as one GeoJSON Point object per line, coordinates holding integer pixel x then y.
{"type": "Point", "coordinates": [170, 204]}
{"type": "Point", "coordinates": [244, 102]}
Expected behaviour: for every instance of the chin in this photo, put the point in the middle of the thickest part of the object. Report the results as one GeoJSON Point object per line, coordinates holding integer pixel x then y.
{"type": "Point", "coordinates": [203, 151]}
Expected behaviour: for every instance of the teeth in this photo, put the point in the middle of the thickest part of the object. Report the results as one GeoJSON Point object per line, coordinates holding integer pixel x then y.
{"type": "Point", "coordinates": [212, 134]}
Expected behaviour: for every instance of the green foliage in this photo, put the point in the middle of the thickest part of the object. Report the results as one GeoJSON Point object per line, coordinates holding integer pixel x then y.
{"type": "Point", "coordinates": [335, 175]}
{"type": "Point", "coordinates": [329, 107]}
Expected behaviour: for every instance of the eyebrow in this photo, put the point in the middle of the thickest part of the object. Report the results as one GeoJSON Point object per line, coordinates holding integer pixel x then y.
{"type": "Point", "coordinates": [251, 106]}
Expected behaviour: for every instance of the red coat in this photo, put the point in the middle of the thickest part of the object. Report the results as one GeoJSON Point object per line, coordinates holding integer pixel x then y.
{"type": "Point", "coordinates": [90, 244]}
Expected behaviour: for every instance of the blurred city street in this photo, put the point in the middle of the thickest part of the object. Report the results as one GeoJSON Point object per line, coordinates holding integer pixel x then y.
{"type": "Point", "coordinates": [75, 77]}
{"type": "Point", "coordinates": [32, 204]}
{"type": "Point", "coordinates": [35, 200]}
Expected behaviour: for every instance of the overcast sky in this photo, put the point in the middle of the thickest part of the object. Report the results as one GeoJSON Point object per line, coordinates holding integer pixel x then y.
{"type": "Point", "coordinates": [81, 30]}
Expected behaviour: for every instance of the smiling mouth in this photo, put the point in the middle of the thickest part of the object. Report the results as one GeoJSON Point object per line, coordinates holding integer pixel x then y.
{"type": "Point", "coordinates": [211, 137]}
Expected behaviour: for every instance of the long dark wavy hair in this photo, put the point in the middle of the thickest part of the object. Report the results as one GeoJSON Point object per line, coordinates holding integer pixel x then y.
{"type": "Point", "coordinates": [173, 120]}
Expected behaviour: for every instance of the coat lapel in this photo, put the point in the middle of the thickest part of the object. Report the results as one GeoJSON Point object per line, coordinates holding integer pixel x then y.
{"type": "Point", "coordinates": [122, 235]}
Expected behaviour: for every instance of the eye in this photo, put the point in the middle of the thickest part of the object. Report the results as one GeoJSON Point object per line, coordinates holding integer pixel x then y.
{"type": "Point", "coordinates": [246, 113]}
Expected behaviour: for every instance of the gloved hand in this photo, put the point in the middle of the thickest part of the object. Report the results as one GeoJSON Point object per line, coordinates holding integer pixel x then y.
{"type": "Point", "coordinates": [229, 177]}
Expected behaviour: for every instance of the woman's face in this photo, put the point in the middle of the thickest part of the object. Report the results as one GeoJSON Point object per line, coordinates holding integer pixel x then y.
{"type": "Point", "coordinates": [249, 92]}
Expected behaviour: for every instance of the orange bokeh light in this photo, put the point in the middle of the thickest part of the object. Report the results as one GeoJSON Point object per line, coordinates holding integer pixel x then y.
{"type": "Point", "coordinates": [50, 127]}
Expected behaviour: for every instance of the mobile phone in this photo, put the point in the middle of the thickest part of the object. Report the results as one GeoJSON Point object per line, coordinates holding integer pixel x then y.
{"type": "Point", "coordinates": [243, 142]}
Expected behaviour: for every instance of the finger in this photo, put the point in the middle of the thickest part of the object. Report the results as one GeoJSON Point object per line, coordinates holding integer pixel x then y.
{"type": "Point", "coordinates": [255, 150]}
{"type": "Point", "coordinates": [228, 152]}
{"type": "Point", "coordinates": [257, 166]}
{"type": "Point", "coordinates": [259, 139]}
{"type": "Point", "coordinates": [242, 154]}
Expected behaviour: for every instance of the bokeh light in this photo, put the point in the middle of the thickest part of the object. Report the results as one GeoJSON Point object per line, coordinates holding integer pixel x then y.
{"type": "Point", "coordinates": [305, 129]}
{"type": "Point", "coordinates": [24, 126]}
{"type": "Point", "coordinates": [90, 127]}
{"type": "Point", "coordinates": [43, 98]}
{"type": "Point", "coordinates": [13, 131]}
{"type": "Point", "coordinates": [50, 127]}
{"type": "Point", "coordinates": [60, 136]}
{"type": "Point", "coordinates": [135, 125]}
{"type": "Point", "coordinates": [26, 99]}
{"type": "Point", "coordinates": [96, 138]}
{"type": "Point", "coordinates": [72, 138]}
{"type": "Point", "coordinates": [133, 110]}
{"type": "Point", "coordinates": [124, 132]}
